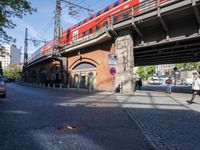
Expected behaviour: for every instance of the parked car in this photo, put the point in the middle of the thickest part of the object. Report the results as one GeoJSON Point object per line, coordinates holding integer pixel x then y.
{"type": "Point", "coordinates": [3, 87]}
{"type": "Point", "coordinates": [155, 81]}
{"type": "Point", "coordinates": [189, 81]}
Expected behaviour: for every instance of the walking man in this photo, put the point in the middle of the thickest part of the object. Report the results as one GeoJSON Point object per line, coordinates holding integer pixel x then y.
{"type": "Point", "coordinates": [169, 85]}
{"type": "Point", "coordinates": [195, 87]}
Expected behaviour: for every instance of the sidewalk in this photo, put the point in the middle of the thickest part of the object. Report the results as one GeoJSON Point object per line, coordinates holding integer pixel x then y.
{"type": "Point", "coordinates": [166, 120]}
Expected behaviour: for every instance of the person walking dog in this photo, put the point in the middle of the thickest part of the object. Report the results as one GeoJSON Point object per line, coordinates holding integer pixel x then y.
{"type": "Point", "coordinates": [195, 88]}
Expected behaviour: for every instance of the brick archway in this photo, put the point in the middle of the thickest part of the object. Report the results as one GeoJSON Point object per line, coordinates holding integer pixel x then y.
{"type": "Point", "coordinates": [55, 74]}
{"type": "Point", "coordinates": [83, 74]}
{"type": "Point", "coordinates": [83, 60]}
{"type": "Point", "coordinates": [43, 74]}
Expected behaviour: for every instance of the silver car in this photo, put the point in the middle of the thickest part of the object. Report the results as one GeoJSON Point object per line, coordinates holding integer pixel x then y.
{"type": "Point", "coordinates": [3, 87]}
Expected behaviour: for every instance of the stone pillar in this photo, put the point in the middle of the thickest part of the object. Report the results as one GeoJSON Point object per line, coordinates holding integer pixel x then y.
{"type": "Point", "coordinates": [125, 62]}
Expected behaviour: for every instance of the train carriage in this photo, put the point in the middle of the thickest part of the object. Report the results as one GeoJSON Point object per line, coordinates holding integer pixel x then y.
{"type": "Point", "coordinates": [100, 19]}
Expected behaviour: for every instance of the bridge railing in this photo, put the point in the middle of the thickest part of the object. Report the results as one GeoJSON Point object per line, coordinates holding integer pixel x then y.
{"type": "Point", "coordinates": [141, 9]}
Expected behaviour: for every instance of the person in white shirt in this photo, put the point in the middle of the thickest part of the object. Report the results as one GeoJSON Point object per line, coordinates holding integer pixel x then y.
{"type": "Point", "coordinates": [195, 88]}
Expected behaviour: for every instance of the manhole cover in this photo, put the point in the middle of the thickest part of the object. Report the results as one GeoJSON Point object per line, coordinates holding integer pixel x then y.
{"type": "Point", "coordinates": [67, 128]}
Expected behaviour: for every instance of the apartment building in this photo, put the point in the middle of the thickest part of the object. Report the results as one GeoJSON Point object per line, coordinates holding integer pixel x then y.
{"type": "Point", "coordinates": [13, 56]}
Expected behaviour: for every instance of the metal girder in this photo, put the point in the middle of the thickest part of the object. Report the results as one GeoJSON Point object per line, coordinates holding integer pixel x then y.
{"type": "Point", "coordinates": [175, 56]}
{"type": "Point", "coordinates": [196, 13]}
{"type": "Point", "coordinates": [162, 22]}
{"type": "Point", "coordinates": [139, 51]}
{"type": "Point", "coordinates": [134, 25]}
{"type": "Point", "coordinates": [167, 53]}
{"type": "Point", "coordinates": [167, 61]}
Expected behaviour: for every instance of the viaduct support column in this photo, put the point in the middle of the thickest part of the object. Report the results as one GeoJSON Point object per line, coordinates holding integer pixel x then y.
{"type": "Point", "coordinates": [124, 67]}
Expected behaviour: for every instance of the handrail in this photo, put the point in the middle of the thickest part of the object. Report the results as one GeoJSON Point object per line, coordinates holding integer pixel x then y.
{"type": "Point", "coordinates": [107, 23]}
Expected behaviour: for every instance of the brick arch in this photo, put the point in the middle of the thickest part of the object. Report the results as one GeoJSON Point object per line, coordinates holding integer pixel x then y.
{"type": "Point", "coordinates": [41, 77]}
{"type": "Point", "coordinates": [84, 60]}
{"type": "Point", "coordinates": [53, 67]}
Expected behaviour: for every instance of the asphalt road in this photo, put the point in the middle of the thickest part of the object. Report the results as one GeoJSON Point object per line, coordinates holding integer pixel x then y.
{"type": "Point", "coordinates": [49, 119]}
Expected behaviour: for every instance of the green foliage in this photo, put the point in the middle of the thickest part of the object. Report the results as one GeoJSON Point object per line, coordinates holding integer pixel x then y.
{"type": "Point", "coordinates": [3, 52]}
{"type": "Point", "coordinates": [146, 72]}
{"type": "Point", "coordinates": [8, 10]}
{"type": "Point", "coordinates": [12, 72]}
{"type": "Point", "coordinates": [189, 66]}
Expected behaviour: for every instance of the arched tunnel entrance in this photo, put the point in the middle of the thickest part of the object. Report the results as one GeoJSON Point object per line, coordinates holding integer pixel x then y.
{"type": "Point", "coordinates": [55, 74]}
{"type": "Point", "coordinates": [43, 75]}
{"type": "Point", "coordinates": [83, 75]}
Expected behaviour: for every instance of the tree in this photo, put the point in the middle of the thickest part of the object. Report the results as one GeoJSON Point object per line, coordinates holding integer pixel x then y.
{"type": "Point", "coordinates": [10, 9]}
{"type": "Point", "coordinates": [12, 72]}
{"type": "Point", "coordinates": [189, 66]}
{"type": "Point", "coordinates": [141, 72]}
{"type": "Point", "coordinates": [3, 52]}
{"type": "Point", "coordinates": [146, 72]}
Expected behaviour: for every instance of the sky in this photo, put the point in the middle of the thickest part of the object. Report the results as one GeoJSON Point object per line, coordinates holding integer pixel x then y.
{"type": "Point", "coordinates": [41, 24]}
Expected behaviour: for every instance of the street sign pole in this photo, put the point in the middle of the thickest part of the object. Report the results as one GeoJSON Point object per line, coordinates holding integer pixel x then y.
{"type": "Point", "coordinates": [113, 73]}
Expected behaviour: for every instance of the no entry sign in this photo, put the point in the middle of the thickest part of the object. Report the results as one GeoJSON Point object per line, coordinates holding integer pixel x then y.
{"type": "Point", "coordinates": [112, 71]}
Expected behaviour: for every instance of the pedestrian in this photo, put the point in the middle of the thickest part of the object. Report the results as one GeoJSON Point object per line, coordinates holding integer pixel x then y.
{"type": "Point", "coordinates": [169, 85]}
{"type": "Point", "coordinates": [139, 83]}
{"type": "Point", "coordinates": [195, 87]}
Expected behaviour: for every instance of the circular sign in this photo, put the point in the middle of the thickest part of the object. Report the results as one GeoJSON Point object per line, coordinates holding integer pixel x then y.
{"type": "Point", "coordinates": [112, 71]}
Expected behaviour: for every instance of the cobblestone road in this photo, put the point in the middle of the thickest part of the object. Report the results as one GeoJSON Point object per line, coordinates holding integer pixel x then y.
{"type": "Point", "coordinates": [167, 121]}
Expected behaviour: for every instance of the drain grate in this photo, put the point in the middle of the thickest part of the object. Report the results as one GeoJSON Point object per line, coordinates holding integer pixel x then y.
{"type": "Point", "coordinates": [67, 128]}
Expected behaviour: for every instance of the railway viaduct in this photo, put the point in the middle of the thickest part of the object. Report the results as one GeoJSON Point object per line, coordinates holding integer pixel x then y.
{"type": "Point", "coordinates": [161, 34]}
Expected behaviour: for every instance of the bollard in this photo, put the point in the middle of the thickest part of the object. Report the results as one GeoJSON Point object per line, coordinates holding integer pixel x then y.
{"type": "Point", "coordinates": [90, 88]}
{"type": "Point", "coordinates": [54, 86]}
{"type": "Point", "coordinates": [48, 85]}
{"type": "Point", "coordinates": [68, 87]}
{"type": "Point", "coordinates": [77, 89]}
{"type": "Point", "coordinates": [60, 86]}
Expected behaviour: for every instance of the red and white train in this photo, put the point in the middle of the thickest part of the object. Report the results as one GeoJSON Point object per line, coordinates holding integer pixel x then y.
{"type": "Point", "coordinates": [96, 22]}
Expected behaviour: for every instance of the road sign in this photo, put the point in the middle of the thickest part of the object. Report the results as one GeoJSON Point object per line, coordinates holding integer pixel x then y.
{"type": "Point", "coordinates": [112, 71]}
{"type": "Point", "coordinates": [112, 59]}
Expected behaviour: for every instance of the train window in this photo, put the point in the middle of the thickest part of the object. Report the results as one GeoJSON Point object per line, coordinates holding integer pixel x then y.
{"type": "Point", "coordinates": [106, 9]}
{"type": "Point", "coordinates": [97, 27]}
{"type": "Point", "coordinates": [105, 24]}
{"type": "Point", "coordinates": [90, 30]}
{"type": "Point", "coordinates": [91, 17]}
{"type": "Point", "coordinates": [83, 34]}
{"type": "Point", "coordinates": [125, 0]}
{"type": "Point", "coordinates": [79, 23]}
{"type": "Point", "coordinates": [68, 35]}
{"type": "Point", "coordinates": [116, 4]}
{"type": "Point", "coordinates": [98, 13]}
{"type": "Point", "coordinates": [84, 21]}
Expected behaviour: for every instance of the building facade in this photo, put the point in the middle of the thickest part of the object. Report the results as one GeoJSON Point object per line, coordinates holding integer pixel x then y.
{"type": "Point", "coordinates": [12, 56]}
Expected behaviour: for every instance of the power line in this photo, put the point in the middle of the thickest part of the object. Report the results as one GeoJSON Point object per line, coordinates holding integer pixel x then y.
{"type": "Point", "coordinates": [76, 5]}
